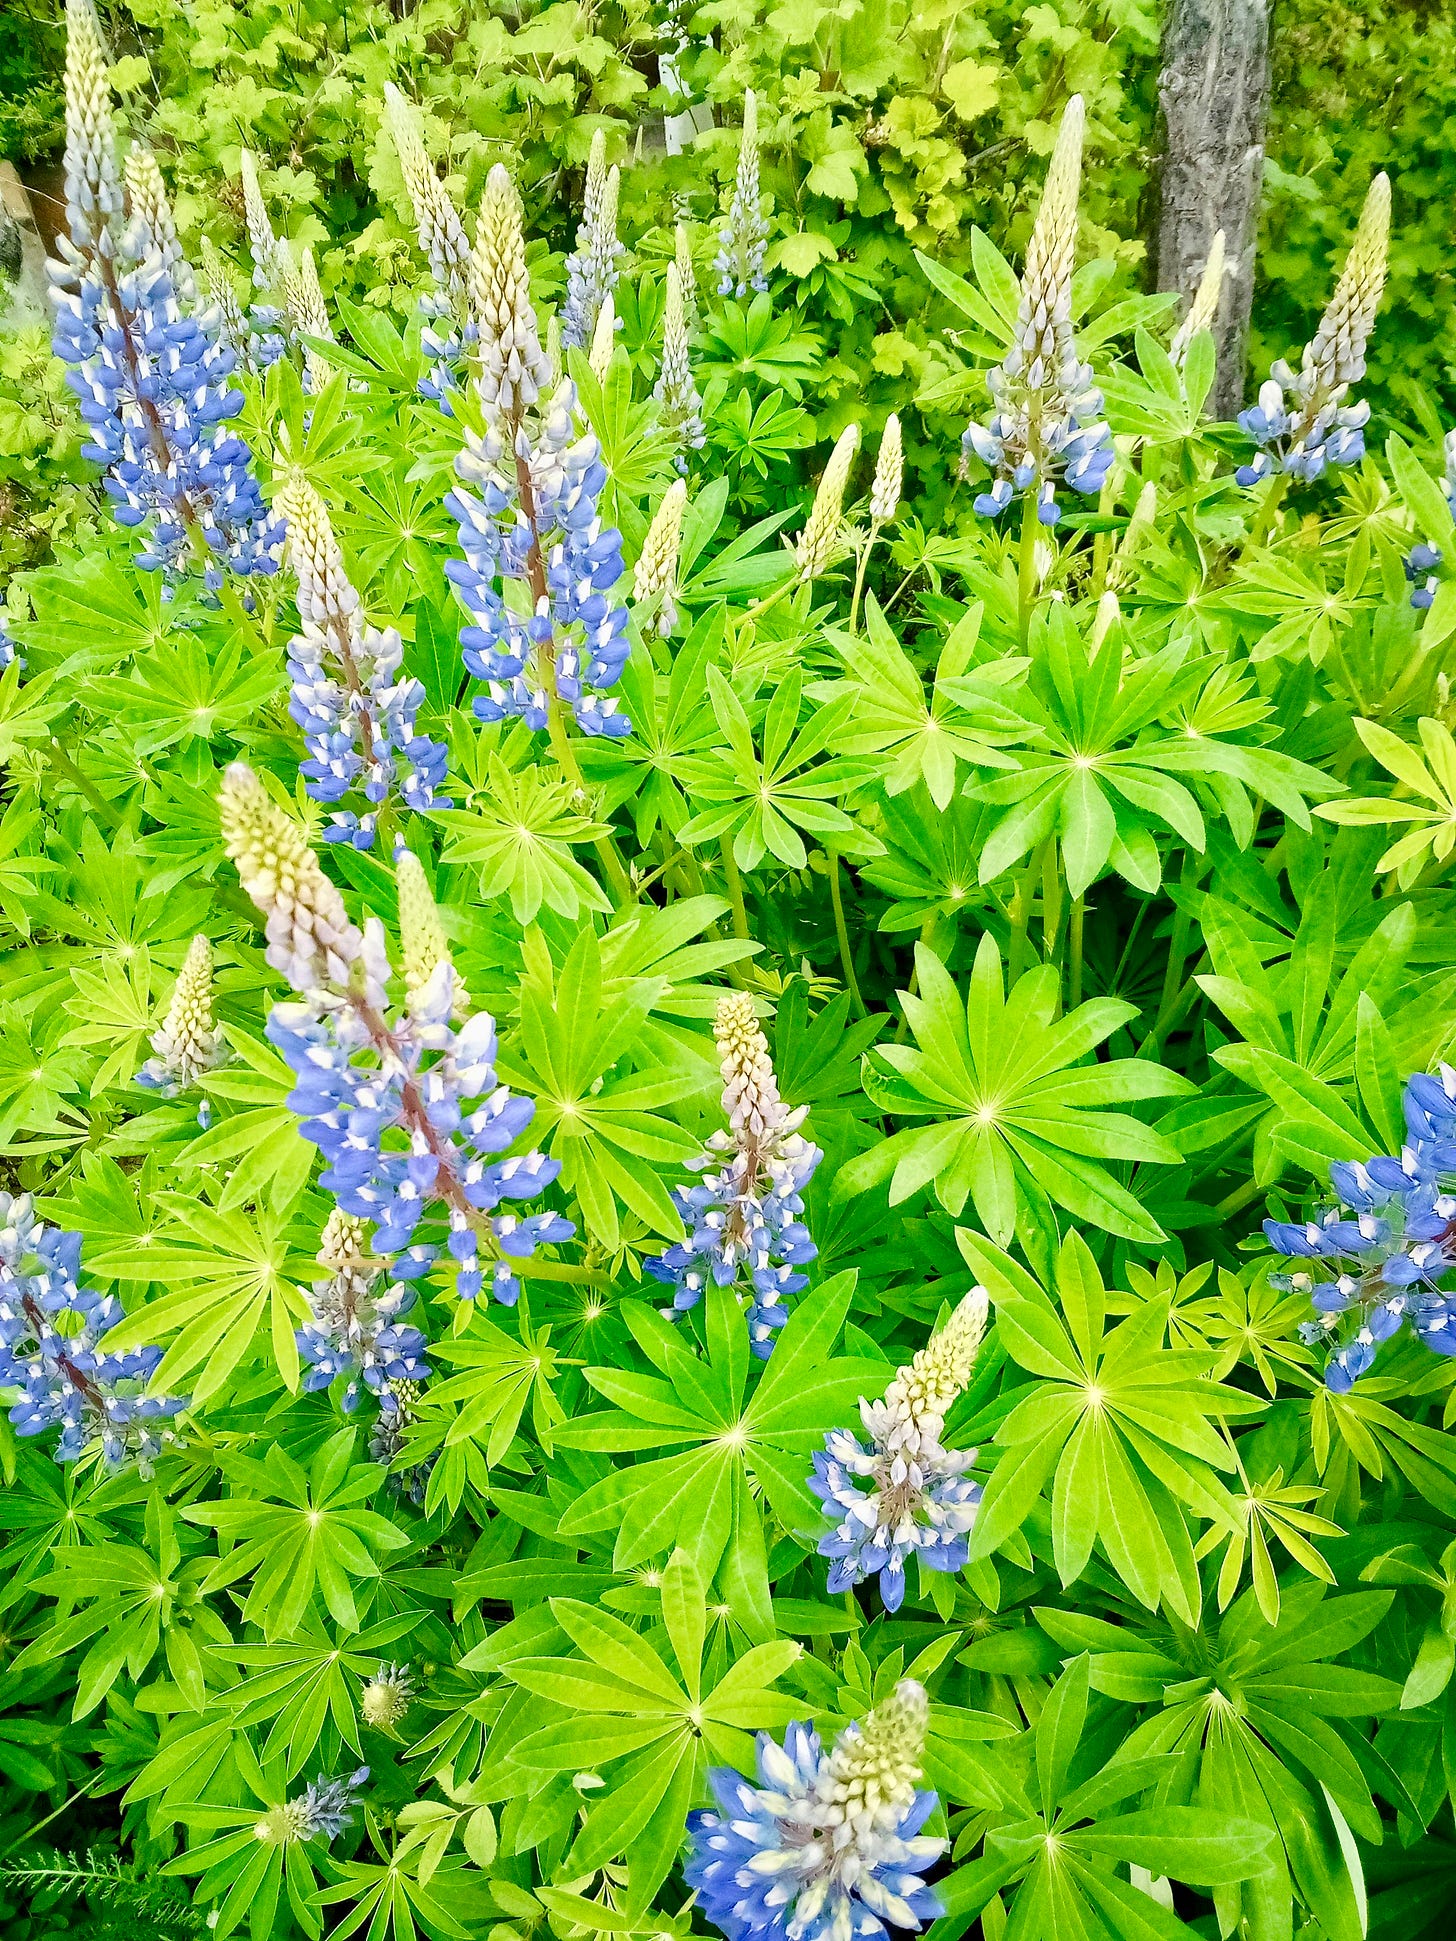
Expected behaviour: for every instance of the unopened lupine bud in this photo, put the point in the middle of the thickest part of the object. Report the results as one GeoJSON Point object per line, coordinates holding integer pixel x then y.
{"type": "Point", "coordinates": [656, 572]}
{"type": "Point", "coordinates": [743, 238]}
{"type": "Point", "coordinates": [1051, 254]}
{"type": "Point", "coordinates": [146, 195]}
{"type": "Point", "coordinates": [222, 298]}
{"type": "Point", "coordinates": [889, 474]}
{"type": "Point", "coordinates": [876, 1764]}
{"type": "Point", "coordinates": [385, 1699]}
{"type": "Point", "coordinates": [917, 1401]}
{"type": "Point", "coordinates": [1203, 310]}
{"type": "Point", "coordinates": [678, 404]}
{"type": "Point", "coordinates": [303, 298]}
{"type": "Point", "coordinates": [186, 1043]}
{"type": "Point", "coordinates": [310, 938]}
{"type": "Point", "coordinates": [93, 190]}
{"type": "Point", "coordinates": [750, 1089]}
{"type": "Point", "coordinates": [591, 269]}
{"type": "Point", "coordinates": [262, 243]}
{"type": "Point", "coordinates": [686, 276]}
{"type": "Point", "coordinates": [1337, 350]}
{"type": "Point", "coordinates": [441, 232]}
{"type": "Point", "coordinates": [604, 340]}
{"type": "Point", "coordinates": [820, 541]}
{"type": "Point", "coordinates": [423, 944]}
{"type": "Point", "coordinates": [514, 369]}
{"type": "Point", "coordinates": [344, 1244]}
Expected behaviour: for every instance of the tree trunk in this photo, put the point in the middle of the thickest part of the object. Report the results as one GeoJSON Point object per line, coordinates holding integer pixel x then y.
{"type": "Point", "coordinates": [1214, 91]}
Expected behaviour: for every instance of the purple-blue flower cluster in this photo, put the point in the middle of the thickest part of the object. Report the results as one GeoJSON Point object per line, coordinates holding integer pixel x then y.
{"type": "Point", "coordinates": [52, 1348]}
{"type": "Point", "coordinates": [532, 521]}
{"type": "Point", "coordinates": [1388, 1243]}
{"type": "Point", "coordinates": [354, 1332]}
{"type": "Point", "coordinates": [1299, 435]}
{"type": "Point", "coordinates": [827, 1846]}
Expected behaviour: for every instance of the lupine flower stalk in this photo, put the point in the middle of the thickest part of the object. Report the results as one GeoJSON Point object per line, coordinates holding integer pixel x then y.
{"type": "Point", "coordinates": [1300, 422]}
{"type": "Point", "coordinates": [1046, 428]}
{"type": "Point", "coordinates": [53, 1350]}
{"type": "Point", "coordinates": [745, 1214]}
{"type": "Point", "coordinates": [353, 1331]}
{"type": "Point", "coordinates": [591, 269]}
{"type": "Point", "coordinates": [604, 340]}
{"type": "Point", "coordinates": [151, 377]}
{"type": "Point", "coordinates": [320, 1812]}
{"type": "Point", "coordinates": [1387, 1243]}
{"type": "Point", "coordinates": [655, 575]}
{"type": "Point", "coordinates": [905, 1495]}
{"type": "Point", "coordinates": [148, 203]}
{"type": "Point", "coordinates": [449, 327]}
{"type": "Point", "coordinates": [386, 1095]}
{"type": "Point", "coordinates": [232, 326]}
{"type": "Point", "coordinates": [885, 489]}
{"type": "Point", "coordinates": [827, 1846]}
{"type": "Point", "coordinates": [531, 519]}
{"type": "Point", "coordinates": [266, 315]}
{"type": "Point", "coordinates": [384, 1701]}
{"type": "Point", "coordinates": [822, 539]}
{"type": "Point", "coordinates": [679, 408]}
{"type": "Point", "coordinates": [350, 695]}
{"type": "Point", "coordinates": [187, 1043]}
{"type": "Point", "coordinates": [686, 276]}
{"type": "Point", "coordinates": [743, 238]}
{"type": "Point", "coordinates": [1203, 310]}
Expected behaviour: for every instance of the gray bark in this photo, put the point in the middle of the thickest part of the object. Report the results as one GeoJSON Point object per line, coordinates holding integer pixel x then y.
{"type": "Point", "coordinates": [1214, 91]}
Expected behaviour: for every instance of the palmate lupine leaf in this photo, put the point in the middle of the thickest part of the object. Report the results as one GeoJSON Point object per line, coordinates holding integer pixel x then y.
{"type": "Point", "coordinates": [648, 1726]}
{"type": "Point", "coordinates": [726, 1434]}
{"type": "Point", "coordinates": [1254, 1713]}
{"type": "Point", "coordinates": [1120, 1430]}
{"type": "Point", "coordinates": [518, 834]}
{"type": "Point", "coordinates": [1067, 1824]}
{"type": "Point", "coordinates": [1020, 1115]}
{"type": "Point", "coordinates": [1432, 782]}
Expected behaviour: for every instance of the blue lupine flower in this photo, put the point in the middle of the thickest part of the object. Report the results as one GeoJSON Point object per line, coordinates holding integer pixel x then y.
{"type": "Point", "coordinates": [1420, 569]}
{"type": "Point", "coordinates": [1299, 421]}
{"type": "Point", "coordinates": [353, 1330]}
{"type": "Point", "coordinates": [9, 651]}
{"type": "Point", "coordinates": [150, 376]}
{"type": "Point", "coordinates": [320, 1812]}
{"type": "Point", "coordinates": [827, 1847]}
{"type": "Point", "coordinates": [64, 1372]}
{"type": "Point", "coordinates": [1047, 426]}
{"type": "Point", "coordinates": [743, 239]}
{"type": "Point", "coordinates": [905, 1495]}
{"type": "Point", "coordinates": [746, 1214]}
{"type": "Point", "coordinates": [1389, 1242]}
{"type": "Point", "coordinates": [679, 408]}
{"type": "Point", "coordinates": [386, 1096]}
{"type": "Point", "coordinates": [591, 269]}
{"type": "Point", "coordinates": [532, 517]}
{"type": "Point", "coordinates": [350, 697]}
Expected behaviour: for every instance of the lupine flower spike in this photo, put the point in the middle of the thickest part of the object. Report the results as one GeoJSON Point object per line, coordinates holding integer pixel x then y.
{"type": "Point", "coordinates": [1300, 422]}
{"type": "Point", "coordinates": [747, 1213]}
{"type": "Point", "coordinates": [232, 327]}
{"type": "Point", "coordinates": [1047, 428]}
{"type": "Point", "coordinates": [679, 408]}
{"type": "Point", "coordinates": [1423, 558]}
{"type": "Point", "coordinates": [386, 1096]}
{"type": "Point", "coordinates": [604, 340]}
{"type": "Point", "coordinates": [822, 540]}
{"type": "Point", "coordinates": [531, 517]}
{"type": "Point", "coordinates": [385, 1699]}
{"type": "Point", "coordinates": [687, 277]}
{"type": "Point", "coordinates": [905, 1495]}
{"type": "Point", "coordinates": [743, 239]}
{"type": "Point", "coordinates": [1203, 310]}
{"type": "Point", "coordinates": [150, 375]}
{"type": "Point", "coordinates": [320, 1812]}
{"type": "Point", "coordinates": [448, 326]}
{"type": "Point", "coordinates": [187, 1043]}
{"type": "Point", "coordinates": [827, 1846]}
{"type": "Point", "coordinates": [1387, 1244]}
{"type": "Point", "coordinates": [656, 571]}
{"type": "Point", "coordinates": [591, 269]}
{"type": "Point", "coordinates": [266, 316]}
{"type": "Point", "coordinates": [885, 492]}
{"type": "Point", "coordinates": [353, 1331]}
{"type": "Point", "coordinates": [350, 696]}
{"type": "Point", "coordinates": [53, 1350]}
{"type": "Point", "coordinates": [308, 315]}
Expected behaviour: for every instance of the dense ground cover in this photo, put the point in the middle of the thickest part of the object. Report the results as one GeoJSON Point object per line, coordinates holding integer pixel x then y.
{"type": "Point", "coordinates": [718, 1018]}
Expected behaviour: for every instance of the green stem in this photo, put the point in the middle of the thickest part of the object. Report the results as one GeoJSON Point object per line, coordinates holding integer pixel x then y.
{"type": "Point", "coordinates": [831, 857]}
{"type": "Point", "coordinates": [1021, 903]}
{"type": "Point", "coordinates": [1268, 512]}
{"type": "Point", "coordinates": [1178, 942]}
{"type": "Point", "coordinates": [735, 887]}
{"type": "Point", "coordinates": [1026, 580]}
{"type": "Point", "coordinates": [59, 759]}
{"type": "Point", "coordinates": [244, 621]}
{"type": "Point", "coordinates": [1074, 953]}
{"type": "Point", "coordinates": [561, 748]}
{"type": "Point", "coordinates": [859, 578]}
{"type": "Point", "coordinates": [771, 600]}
